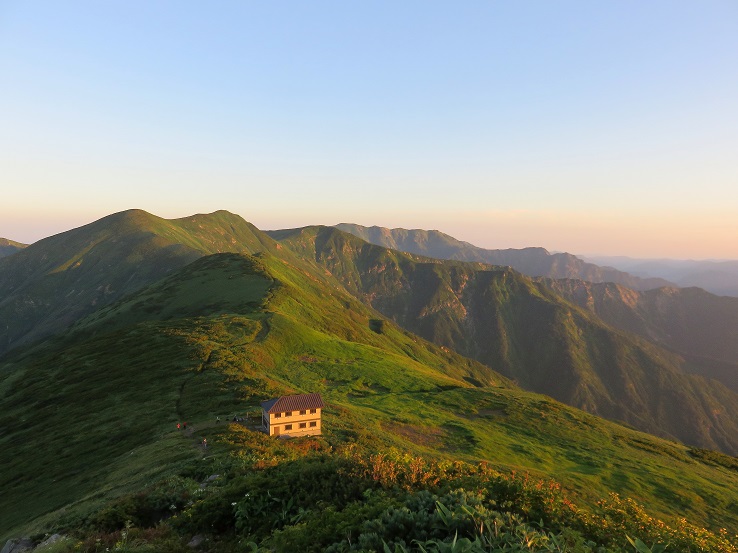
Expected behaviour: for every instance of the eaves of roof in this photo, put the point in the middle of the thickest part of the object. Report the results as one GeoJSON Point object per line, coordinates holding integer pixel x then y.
{"type": "Point", "coordinates": [299, 402]}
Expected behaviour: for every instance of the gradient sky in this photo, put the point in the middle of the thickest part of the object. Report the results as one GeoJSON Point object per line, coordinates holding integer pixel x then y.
{"type": "Point", "coordinates": [589, 127]}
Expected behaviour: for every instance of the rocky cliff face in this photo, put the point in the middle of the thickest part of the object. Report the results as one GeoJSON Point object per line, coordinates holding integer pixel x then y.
{"type": "Point", "coordinates": [698, 325]}
{"type": "Point", "coordinates": [534, 262]}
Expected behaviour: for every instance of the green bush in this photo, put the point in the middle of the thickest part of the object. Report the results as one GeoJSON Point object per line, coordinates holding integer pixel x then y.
{"type": "Point", "coordinates": [147, 508]}
{"type": "Point", "coordinates": [289, 497]}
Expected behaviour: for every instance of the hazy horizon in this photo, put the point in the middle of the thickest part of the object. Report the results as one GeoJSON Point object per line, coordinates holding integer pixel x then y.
{"type": "Point", "coordinates": [578, 127]}
{"type": "Point", "coordinates": [36, 233]}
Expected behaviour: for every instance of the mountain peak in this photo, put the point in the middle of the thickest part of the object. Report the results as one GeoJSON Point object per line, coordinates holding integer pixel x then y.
{"type": "Point", "coordinates": [106, 259]}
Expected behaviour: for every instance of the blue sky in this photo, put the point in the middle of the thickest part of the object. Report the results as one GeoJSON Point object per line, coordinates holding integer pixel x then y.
{"type": "Point", "coordinates": [590, 127]}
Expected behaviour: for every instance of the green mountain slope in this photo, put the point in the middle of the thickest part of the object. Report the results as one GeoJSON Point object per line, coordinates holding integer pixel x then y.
{"type": "Point", "coordinates": [8, 247]}
{"type": "Point", "coordinates": [698, 325]}
{"type": "Point", "coordinates": [90, 415]}
{"type": "Point", "coordinates": [103, 396]}
{"type": "Point", "coordinates": [55, 281]}
{"type": "Point", "coordinates": [524, 330]}
{"type": "Point", "coordinates": [529, 261]}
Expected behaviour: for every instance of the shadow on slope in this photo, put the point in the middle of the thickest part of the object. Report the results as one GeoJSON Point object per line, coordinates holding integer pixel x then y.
{"type": "Point", "coordinates": [526, 331]}
{"type": "Point", "coordinates": [58, 280]}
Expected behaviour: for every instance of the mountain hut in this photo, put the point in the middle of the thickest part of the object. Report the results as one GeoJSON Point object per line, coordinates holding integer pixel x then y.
{"type": "Point", "coordinates": [298, 415]}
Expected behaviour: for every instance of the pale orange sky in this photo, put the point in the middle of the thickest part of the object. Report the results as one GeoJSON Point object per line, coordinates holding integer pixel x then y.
{"type": "Point", "coordinates": [672, 235]}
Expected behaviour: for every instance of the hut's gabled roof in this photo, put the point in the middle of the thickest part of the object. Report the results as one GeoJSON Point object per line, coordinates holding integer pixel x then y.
{"type": "Point", "coordinates": [301, 402]}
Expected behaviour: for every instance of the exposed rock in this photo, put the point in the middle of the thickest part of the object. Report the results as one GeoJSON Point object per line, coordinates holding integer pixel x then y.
{"type": "Point", "coordinates": [17, 545]}
{"type": "Point", "coordinates": [211, 478]}
{"type": "Point", "coordinates": [196, 541]}
{"type": "Point", "coordinates": [51, 540]}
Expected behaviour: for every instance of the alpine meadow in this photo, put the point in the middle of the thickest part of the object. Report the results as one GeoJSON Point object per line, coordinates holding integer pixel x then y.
{"type": "Point", "coordinates": [368, 277]}
{"type": "Point", "coordinates": [469, 407]}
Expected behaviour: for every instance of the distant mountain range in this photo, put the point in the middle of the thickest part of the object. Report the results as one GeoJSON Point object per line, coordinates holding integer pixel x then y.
{"type": "Point", "coordinates": [700, 326]}
{"type": "Point", "coordinates": [718, 277]}
{"type": "Point", "coordinates": [529, 261]}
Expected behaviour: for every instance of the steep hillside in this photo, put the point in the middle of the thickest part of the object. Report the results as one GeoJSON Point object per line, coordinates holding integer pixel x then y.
{"type": "Point", "coordinates": [101, 403]}
{"type": "Point", "coordinates": [52, 283]}
{"type": "Point", "coordinates": [126, 374]}
{"type": "Point", "coordinates": [8, 247]}
{"type": "Point", "coordinates": [529, 261]}
{"type": "Point", "coordinates": [699, 325]}
{"type": "Point", "coordinates": [524, 330]}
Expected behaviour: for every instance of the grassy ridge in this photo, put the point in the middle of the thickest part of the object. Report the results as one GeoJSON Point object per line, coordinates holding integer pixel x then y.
{"type": "Point", "coordinates": [121, 379]}
{"type": "Point", "coordinates": [106, 397]}
{"type": "Point", "coordinates": [9, 247]}
{"type": "Point", "coordinates": [58, 280]}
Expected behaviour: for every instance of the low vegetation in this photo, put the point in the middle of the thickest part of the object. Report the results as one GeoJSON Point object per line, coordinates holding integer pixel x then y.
{"type": "Point", "coordinates": [259, 494]}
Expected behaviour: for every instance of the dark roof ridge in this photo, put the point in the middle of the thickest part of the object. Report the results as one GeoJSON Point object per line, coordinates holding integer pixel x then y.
{"type": "Point", "coordinates": [298, 402]}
